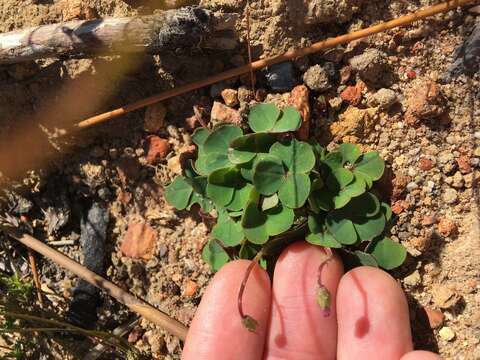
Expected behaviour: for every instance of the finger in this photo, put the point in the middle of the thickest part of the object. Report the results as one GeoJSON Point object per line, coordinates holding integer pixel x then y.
{"type": "Point", "coordinates": [421, 355]}
{"type": "Point", "coordinates": [216, 331]}
{"type": "Point", "coordinates": [372, 311]}
{"type": "Point", "coordinates": [298, 329]}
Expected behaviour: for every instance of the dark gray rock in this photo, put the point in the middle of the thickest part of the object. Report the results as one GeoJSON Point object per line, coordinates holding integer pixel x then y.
{"type": "Point", "coordinates": [281, 77]}
{"type": "Point", "coordinates": [86, 297]}
{"type": "Point", "coordinates": [466, 57]}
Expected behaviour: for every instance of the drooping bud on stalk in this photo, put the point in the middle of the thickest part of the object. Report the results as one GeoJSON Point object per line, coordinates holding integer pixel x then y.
{"type": "Point", "coordinates": [324, 300]}
{"type": "Point", "coordinates": [247, 321]}
{"type": "Point", "coordinates": [250, 323]}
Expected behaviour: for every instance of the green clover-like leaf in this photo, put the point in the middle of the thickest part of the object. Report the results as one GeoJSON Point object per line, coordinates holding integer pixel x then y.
{"type": "Point", "coordinates": [350, 153]}
{"type": "Point", "coordinates": [269, 202]}
{"type": "Point", "coordinates": [323, 199]}
{"type": "Point", "coordinates": [297, 156]}
{"type": "Point", "coordinates": [369, 228]}
{"type": "Point", "coordinates": [199, 136]}
{"type": "Point", "coordinates": [219, 140]}
{"type": "Point", "coordinates": [387, 211]}
{"type": "Point", "coordinates": [341, 229]}
{"type": "Point", "coordinates": [316, 223]}
{"type": "Point", "coordinates": [240, 197]}
{"type": "Point", "coordinates": [333, 160]}
{"type": "Point", "coordinates": [221, 185]}
{"type": "Point", "coordinates": [323, 239]}
{"type": "Point", "coordinates": [279, 219]}
{"type": "Point", "coordinates": [248, 250]}
{"type": "Point", "coordinates": [268, 118]}
{"type": "Point", "coordinates": [388, 253]}
{"type": "Point", "coordinates": [370, 165]}
{"type": "Point", "coordinates": [339, 178]}
{"type": "Point", "coordinates": [245, 148]}
{"type": "Point", "coordinates": [254, 224]}
{"type": "Point", "coordinates": [290, 120]}
{"type": "Point", "coordinates": [178, 193]}
{"type": "Point", "coordinates": [358, 258]}
{"type": "Point", "coordinates": [262, 117]}
{"type": "Point", "coordinates": [214, 255]}
{"type": "Point", "coordinates": [294, 190]}
{"type": "Point", "coordinates": [229, 232]}
{"type": "Point", "coordinates": [268, 175]}
{"type": "Point", "coordinates": [365, 205]}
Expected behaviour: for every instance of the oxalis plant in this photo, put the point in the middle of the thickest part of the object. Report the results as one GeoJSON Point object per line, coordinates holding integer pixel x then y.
{"type": "Point", "coordinates": [269, 189]}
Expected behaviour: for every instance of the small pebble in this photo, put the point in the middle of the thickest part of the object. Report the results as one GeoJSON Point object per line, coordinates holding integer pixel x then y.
{"type": "Point", "coordinates": [446, 333]}
{"type": "Point", "coordinates": [450, 196]}
{"type": "Point", "coordinates": [413, 280]}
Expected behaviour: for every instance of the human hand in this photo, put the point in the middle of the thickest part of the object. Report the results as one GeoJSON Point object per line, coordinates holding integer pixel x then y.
{"type": "Point", "coordinates": [369, 313]}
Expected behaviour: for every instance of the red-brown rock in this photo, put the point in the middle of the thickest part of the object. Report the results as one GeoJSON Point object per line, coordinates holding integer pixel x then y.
{"type": "Point", "coordinates": [425, 164]}
{"type": "Point", "coordinates": [464, 164]}
{"type": "Point", "coordinates": [446, 227]}
{"type": "Point", "coordinates": [157, 149]}
{"type": "Point", "coordinates": [352, 95]}
{"type": "Point", "coordinates": [190, 288]}
{"type": "Point", "coordinates": [299, 99]}
{"type": "Point", "coordinates": [435, 317]}
{"type": "Point", "coordinates": [399, 206]}
{"type": "Point", "coordinates": [424, 102]}
{"type": "Point", "coordinates": [139, 241]}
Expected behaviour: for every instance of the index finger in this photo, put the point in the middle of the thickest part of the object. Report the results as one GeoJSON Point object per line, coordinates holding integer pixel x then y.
{"type": "Point", "coordinates": [216, 331]}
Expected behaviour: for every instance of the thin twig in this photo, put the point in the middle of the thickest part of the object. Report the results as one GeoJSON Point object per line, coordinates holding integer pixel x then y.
{"type": "Point", "coordinates": [135, 304]}
{"type": "Point", "coordinates": [36, 279]}
{"type": "Point", "coordinates": [290, 55]}
{"type": "Point", "coordinates": [249, 49]}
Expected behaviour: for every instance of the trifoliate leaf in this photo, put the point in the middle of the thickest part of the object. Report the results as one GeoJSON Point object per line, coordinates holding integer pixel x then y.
{"type": "Point", "coordinates": [212, 162]}
{"type": "Point", "coordinates": [268, 175]}
{"type": "Point", "coordinates": [297, 156]}
{"type": "Point", "coordinates": [221, 185]}
{"type": "Point", "coordinates": [214, 255]}
{"type": "Point", "coordinates": [219, 140]}
{"type": "Point", "coordinates": [323, 239]}
{"type": "Point", "coordinates": [240, 197]}
{"type": "Point", "coordinates": [323, 199]}
{"type": "Point", "coordinates": [387, 211]}
{"type": "Point", "coordinates": [341, 229]}
{"type": "Point", "coordinates": [370, 165]}
{"type": "Point", "coordinates": [178, 193]}
{"type": "Point", "coordinates": [199, 136]}
{"type": "Point", "coordinates": [262, 117]}
{"type": "Point", "coordinates": [339, 178]}
{"type": "Point", "coordinates": [290, 120]}
{"type": "Point", "coordinates": [269, 202]}
{"type": "Point", "coordinates": [295, 190]}
{"type": "Point", "coordinates": [350, 153]}
{"type": "Point", "coordinates": [388, 253]}
{"type": "Point", "coordinates": [316, 223]}
{"type": "Point", "coordinates": [279, 220]}
{"type": "Point", "coordinates": [254, 224]}
{"type": "Point", "coordinates": [356, 188]}
{"type": "Point", "coordinates": [249, 250]}
{"type": "Point", "coordinates": [369, 228]}
{"type": "Point", "coordinates": [245, 148]}
{"type": "Point", "coordinates": [229, 232]}
{"type": "Point", "coordinates": [333, 160]}
{"type": "Point", "coordinates": [365, 205]}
